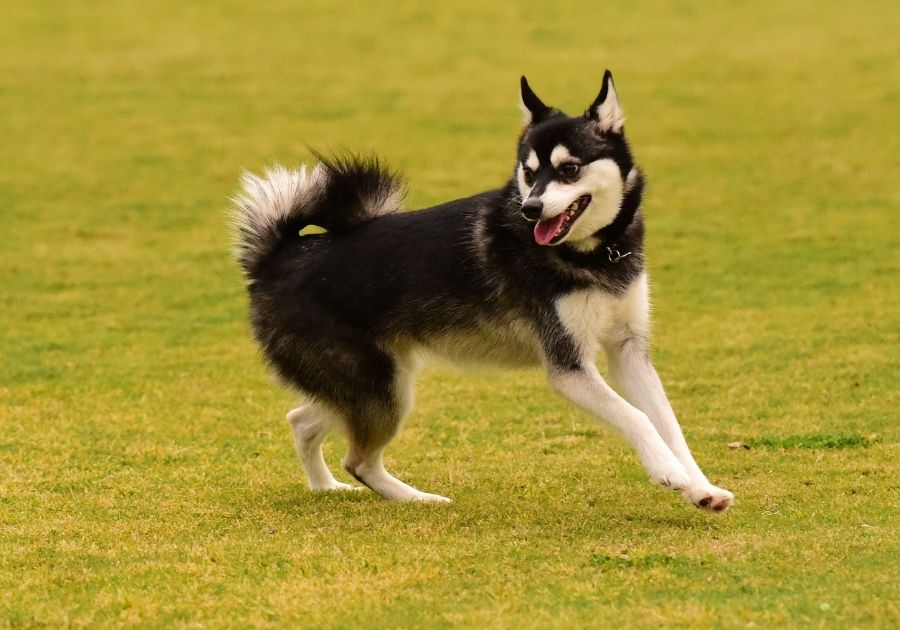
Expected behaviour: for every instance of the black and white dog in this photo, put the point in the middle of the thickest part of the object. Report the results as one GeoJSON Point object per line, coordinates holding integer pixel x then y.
{"type": "Point", "coordinates": [546, 270]}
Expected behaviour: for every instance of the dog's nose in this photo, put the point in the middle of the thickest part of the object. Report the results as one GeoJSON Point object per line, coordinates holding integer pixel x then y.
{"type": "Point", "coordinates": [532, 209]}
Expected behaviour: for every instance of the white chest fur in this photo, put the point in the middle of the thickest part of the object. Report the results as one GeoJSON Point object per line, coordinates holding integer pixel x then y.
{"type": "Point", "coordinates": [593, 316]}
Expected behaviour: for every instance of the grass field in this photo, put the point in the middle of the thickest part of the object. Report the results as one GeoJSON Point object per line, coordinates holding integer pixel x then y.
{"type": "Point", "coordinates": [146, 473]}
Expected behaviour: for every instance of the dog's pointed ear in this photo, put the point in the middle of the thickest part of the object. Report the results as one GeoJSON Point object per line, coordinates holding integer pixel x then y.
{"type": "Point", "coordinates": [533, 108]}
{"type": "Point", "coordinates": [606, 109]}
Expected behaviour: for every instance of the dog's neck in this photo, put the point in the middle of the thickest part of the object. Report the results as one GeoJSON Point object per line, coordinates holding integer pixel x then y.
{"type": "Point", "coordinates": [614, 238]}
{"type": "Point", "coordinates": [610, 235]}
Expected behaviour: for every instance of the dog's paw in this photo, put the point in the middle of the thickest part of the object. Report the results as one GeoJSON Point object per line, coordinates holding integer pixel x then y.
{"type": "Point", "coordinates": [427, 497]}
{"type": "Point", "coordinates": [709, 497]}
{"type": "Point", "coordinates": [664, 469]}
{"type": "Point", "coordinates": [674, 477]}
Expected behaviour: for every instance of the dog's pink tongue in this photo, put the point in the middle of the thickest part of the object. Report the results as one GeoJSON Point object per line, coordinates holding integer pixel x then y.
{"type": "Point", "coordinates": [545, 230]}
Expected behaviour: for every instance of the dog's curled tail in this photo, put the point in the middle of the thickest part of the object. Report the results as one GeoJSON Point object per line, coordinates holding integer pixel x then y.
{"type": "Point", "coordinates": [338, 194]}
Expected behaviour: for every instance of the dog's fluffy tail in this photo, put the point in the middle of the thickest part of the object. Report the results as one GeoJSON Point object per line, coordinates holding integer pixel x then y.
{"type": "Point", "coordinates": [338, 194]}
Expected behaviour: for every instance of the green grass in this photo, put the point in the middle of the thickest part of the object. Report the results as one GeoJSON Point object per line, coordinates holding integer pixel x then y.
{"type": "Point", "coordinates": [146, 474]}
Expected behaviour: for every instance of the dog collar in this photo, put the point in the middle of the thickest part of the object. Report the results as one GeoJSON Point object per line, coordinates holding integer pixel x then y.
{"type": "Point", "coordinates": [614, 254]}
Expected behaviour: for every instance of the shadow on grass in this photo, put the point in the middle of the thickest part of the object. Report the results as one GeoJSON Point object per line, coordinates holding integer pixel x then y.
{"type": "Point", "coordinates": [625, 562]}
{"type": "Point", "coordinates": [689, 519]}
{"type": "Point", "coordinates": [296, 499]}
{"type": "Point", "coordinates": [813, 442]}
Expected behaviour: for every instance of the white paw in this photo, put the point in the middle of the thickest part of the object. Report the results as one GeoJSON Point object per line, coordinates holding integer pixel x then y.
{"type": "Point", "coordinates": [674, 477]}
{"type": "Point", "coordinates": [709, 497]}
{"type": "Point", "coordinates": [427, 497]}
{"type": "Point", "coordinates": [663, 467]}
{"type": "Point", "coordinates": [335, 485]}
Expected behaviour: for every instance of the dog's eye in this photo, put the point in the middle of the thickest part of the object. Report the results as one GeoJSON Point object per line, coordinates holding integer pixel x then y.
{"type": "Point", "coordinates": [568, 170]}
{"type": "Point", "coordinates": [528, 174]}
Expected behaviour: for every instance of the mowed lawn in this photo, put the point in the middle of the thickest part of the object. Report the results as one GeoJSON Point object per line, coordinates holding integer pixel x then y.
{"type": "Point", "coordinates": [147, 475]}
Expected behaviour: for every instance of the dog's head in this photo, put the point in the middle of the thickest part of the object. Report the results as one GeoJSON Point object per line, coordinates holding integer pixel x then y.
{"type": "Point", "coordinates": [573, 172]}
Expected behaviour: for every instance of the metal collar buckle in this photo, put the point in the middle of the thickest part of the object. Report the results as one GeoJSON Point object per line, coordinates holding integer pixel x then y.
{"type": "Point", "coordinates": [615, 255]}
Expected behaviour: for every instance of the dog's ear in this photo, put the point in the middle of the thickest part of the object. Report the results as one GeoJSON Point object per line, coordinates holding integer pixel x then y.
{"type": "Point", "coordinates": [606, 109]}
{"type": "Point", "coordinates": [533, 109]}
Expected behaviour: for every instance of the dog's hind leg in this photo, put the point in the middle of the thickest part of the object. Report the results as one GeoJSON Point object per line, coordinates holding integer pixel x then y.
{"type": "Point", "coordinates": [365, 463]}
{"type": "Point", "coordinates": [310, 425]}
{"type": "Point", "coordinates": [372, 427]}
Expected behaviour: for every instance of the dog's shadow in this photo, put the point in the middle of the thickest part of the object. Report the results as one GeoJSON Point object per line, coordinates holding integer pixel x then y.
{"type": "Point", "coordinates": [292, 500]}
{"type": "Point", "coordinates": [295, 498]}
{"type": "Point", "coordinates": [295, 501]}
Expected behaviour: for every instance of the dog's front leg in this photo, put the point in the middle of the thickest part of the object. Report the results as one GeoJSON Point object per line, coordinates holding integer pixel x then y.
{"type": "Point", "coordinates": [584, 386]}
{"type": "Point", "coordinates": [635, 377]}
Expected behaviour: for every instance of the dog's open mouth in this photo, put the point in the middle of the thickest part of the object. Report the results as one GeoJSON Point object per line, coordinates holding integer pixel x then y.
{"type": "Point", "coordinates": [552, 231]}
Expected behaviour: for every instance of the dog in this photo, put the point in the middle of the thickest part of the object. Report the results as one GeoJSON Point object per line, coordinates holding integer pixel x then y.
{"type": "Point", "coordinates": [546, 270]}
